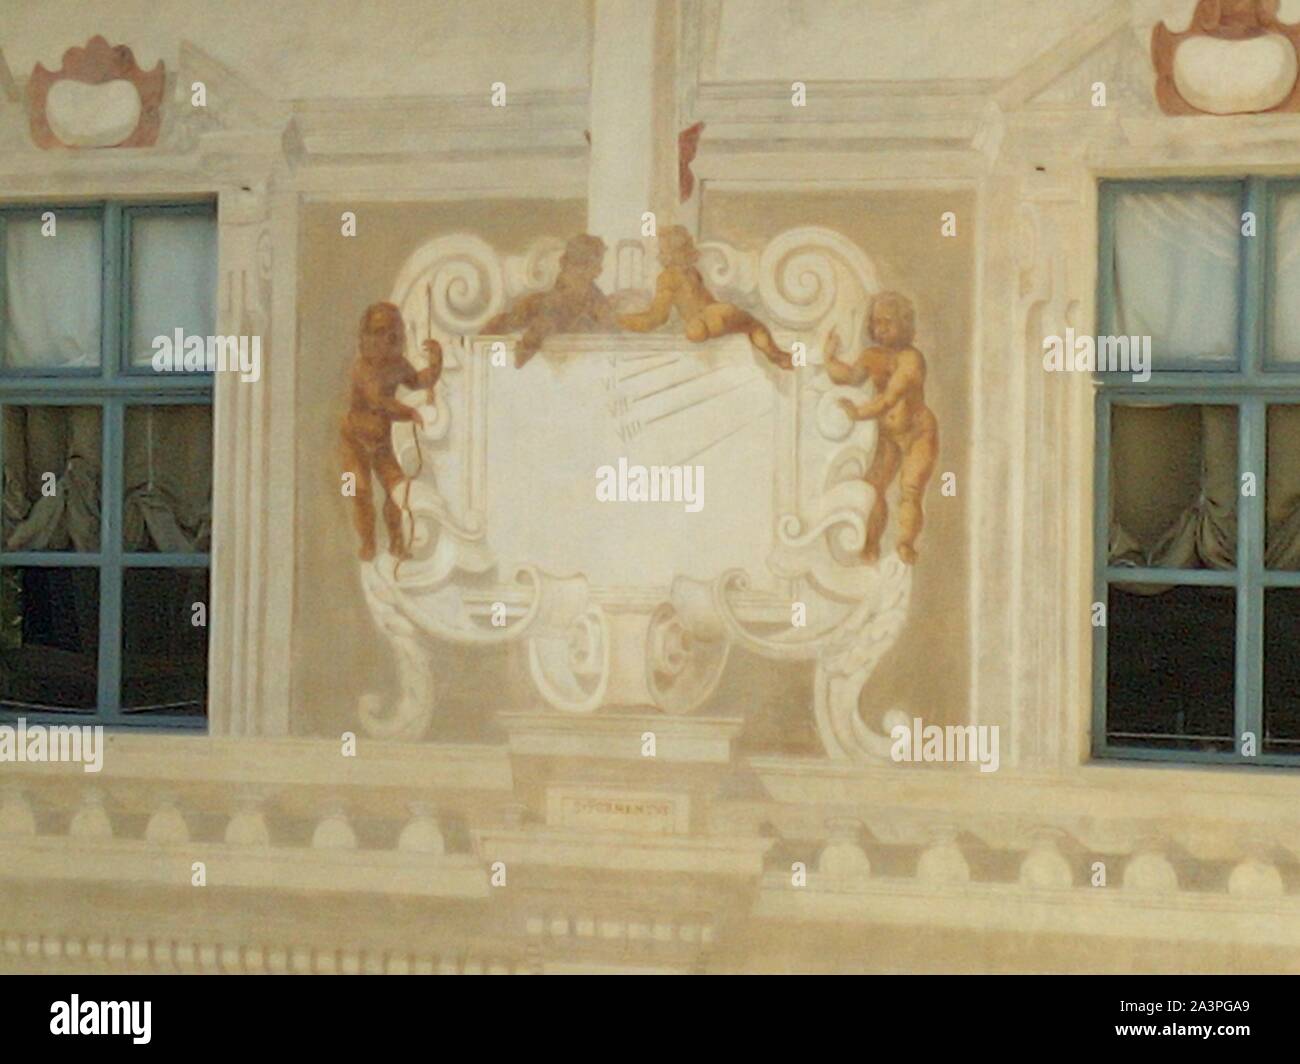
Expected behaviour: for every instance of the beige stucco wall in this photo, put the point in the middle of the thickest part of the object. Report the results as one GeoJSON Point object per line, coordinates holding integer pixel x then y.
{"type": "Point", "coordinates": [304, 49]}
{"type": "Point", "coordinates": [383, 862]}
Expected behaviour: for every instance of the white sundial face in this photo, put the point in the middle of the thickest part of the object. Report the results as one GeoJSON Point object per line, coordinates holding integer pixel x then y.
{"type": "Point", "coordinates": [631, 404]}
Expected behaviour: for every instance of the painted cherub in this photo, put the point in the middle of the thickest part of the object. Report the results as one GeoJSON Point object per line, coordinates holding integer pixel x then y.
{"type": "Point", "coordinates": [573, 304]}
{"type": "Point", "coordinates": [680, 286]}
{"type": "Point", "coordinates": [908, 445]}
{"type": "Point", "coordinates": [367, 437]}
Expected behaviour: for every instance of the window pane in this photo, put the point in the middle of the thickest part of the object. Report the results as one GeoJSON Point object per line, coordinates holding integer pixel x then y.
{"type": "Point", "coordinates": [1281, 671]}
{"type": "Point", "coordinates": [1176, 268]}
{"type": "Point", "coordinates": [173, 279]}
{"type": "Point", "coordinates": [164, 650]}
{"type": "Point", "coordinates": [52, 293]}
{"type": "Point", "coordinates": [1174, 486]}
{"type": "Point", "coordinates": [51, 477]}
{"type": "Point", "coordinates": [1285, 294]}
{"type": "Point", "coordinates": [1170, 653]}
{"type": "Point", "coordinates": [49, 639]}
{"type": "Point", "coordinates": [1282, 489]}
{"type": "Point", "coordinates": [167, 501]}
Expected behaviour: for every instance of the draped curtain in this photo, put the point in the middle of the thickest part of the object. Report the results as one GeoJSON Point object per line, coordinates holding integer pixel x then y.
{"type": "Point", "coordinates": [168, 480]}
{"type": "Point", "coordinates": [1176, 271]}
{"type": "Point", "coordinates": [1171, 514]}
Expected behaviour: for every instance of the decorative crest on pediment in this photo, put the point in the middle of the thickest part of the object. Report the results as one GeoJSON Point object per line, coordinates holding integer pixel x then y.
{"type": "Point", "coordinates": [101, 99]}
{"type": "Point", "coordinates": [98, 98]}
{"type": "Point", "coordinates": [1236, 57]}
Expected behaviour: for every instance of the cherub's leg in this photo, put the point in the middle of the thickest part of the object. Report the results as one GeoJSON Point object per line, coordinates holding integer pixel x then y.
{"type": "Point", "coordinates": [697, 331]}
{"type": "Point", "coordinates": [390, 474]}
{"type": "Point", "coordinates": [762, 340]}
{"type": "Point", "coordinates": [918, 464]}
{"type": "Point", "coordinates": [357, 462]}
{"type": "Point", "coordinates": [724, 318]}
{"type": "Point", "coordinates": [879, 476]}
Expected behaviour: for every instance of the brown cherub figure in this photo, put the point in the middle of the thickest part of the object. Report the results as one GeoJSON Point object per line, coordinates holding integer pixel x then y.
{"type": "Point", "coordinates": [573, 304]}
{"type": "Point", "coordinates": [909, 432]}
{"type": "Point", "coordinates": [380, 367]}
{"type": "Point", "coordinates": [680, 285]}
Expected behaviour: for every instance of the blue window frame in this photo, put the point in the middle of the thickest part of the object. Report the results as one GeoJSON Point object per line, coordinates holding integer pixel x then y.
{"type": "Point", "coordinates": [106, 519]}
{"type": "Point", "coordinates": [1195, 653]}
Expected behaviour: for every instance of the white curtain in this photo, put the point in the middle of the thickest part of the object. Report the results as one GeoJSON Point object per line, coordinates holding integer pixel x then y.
{"type": "Point", "coordinates": [173, 280]}
{"type": "Point", "coordinates": [1176, 272]}
{"type": "Point", "coordinates": [1285, 295]}
{"type": "Point", "coordinates": [52, 289]}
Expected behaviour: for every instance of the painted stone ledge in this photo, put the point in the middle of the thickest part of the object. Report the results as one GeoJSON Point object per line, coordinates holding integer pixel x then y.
{"type": "Point", "coordinates": [76, 953]}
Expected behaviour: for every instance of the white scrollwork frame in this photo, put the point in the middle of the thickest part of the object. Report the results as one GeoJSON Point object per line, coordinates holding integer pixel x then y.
{"type": "Point", "coordinates": [804, 283]}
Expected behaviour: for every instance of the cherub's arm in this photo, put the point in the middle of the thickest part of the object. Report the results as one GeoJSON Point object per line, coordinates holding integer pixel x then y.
{"type": "Point", "coordinates": [382, 400]}
{"type": "Point", "coordinates": [601, 310]}
{"type": "Point", "coordinates": [657, 313]}
{"type": "Point", "coordinates": [841, 372]}
{"type": "Point", "coordinates": [907, 375]}
{"type": "Point", "coordinates": [424, 378]}
{"type": "Point", "coordinates": [516, 318]}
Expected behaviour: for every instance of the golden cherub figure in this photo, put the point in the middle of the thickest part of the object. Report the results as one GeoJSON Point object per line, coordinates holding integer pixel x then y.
{"type": "Point", "coordinates": [681, 286]}
{"type": "Point", "coordinates": [909, 432]}
{"type": "Point", "coordinates": [367, 444]}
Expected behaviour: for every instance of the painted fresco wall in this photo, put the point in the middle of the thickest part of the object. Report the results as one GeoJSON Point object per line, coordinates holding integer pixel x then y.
{"type": "Point", "coordinates": [786, 261]}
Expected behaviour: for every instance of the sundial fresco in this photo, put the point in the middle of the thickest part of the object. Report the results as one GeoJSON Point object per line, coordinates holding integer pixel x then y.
{"type": "Point", "coordinates": [634, 484]}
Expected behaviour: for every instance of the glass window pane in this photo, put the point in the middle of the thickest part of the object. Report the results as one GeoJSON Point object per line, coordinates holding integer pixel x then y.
{"type": "Point", "coordinates": [167, 499]}
{"type": "Point", "coordinates": [49, 639]}
{"type": "Point", "coordinates": [173, 279]}
{"type": "Point", "coordinates": [1281, 671]}
{"type": "Point", "coordinates": [165, 641]}
{"type": "Point", "coordinates": [1170, 654]}
{"type": "Point", "coordinates": [1176, 272]}
{"type": "Point", "coordinates": [1284, 297]}
{"type": "Point", "coordinates": [52, 293]}
{"type": "Point", "coordinates": [1174, 486]}
{"type": "Point", "coordinates": [51, 474]}
{"type": "Point", "coordinates": [1282, 489]}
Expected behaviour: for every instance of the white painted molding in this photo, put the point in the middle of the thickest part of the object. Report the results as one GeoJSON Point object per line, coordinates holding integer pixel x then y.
{"type": "Point", "coordinates": [253, 482]}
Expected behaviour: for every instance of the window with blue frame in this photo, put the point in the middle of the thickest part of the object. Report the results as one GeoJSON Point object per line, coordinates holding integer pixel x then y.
{"type": "Point", "coordinates": [106, 463]}
{"type": "Point", "coordinates": [1197, 545]}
